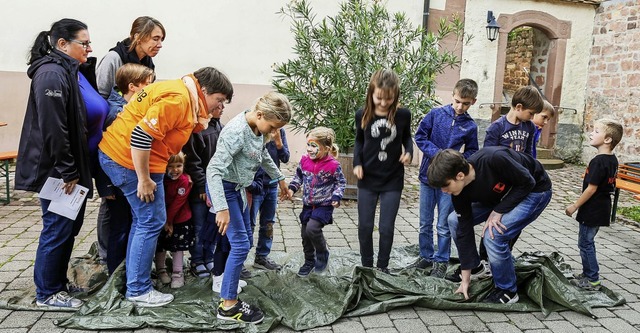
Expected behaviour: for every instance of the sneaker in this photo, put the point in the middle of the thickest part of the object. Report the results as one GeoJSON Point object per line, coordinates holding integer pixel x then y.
{"type": "Point", "coordinates": [61, 300]}
{"type": "Point", "coordinates": [216, 286]}
{"type": "Point", "coordinates": [439, 269]}
{"type": "Point", "coordinates": [242, 312]}
{"type": "Point", "coordinates": [585, 284]}
{"type": "Point", "coordinates": [164, 276]}
{"type": "Point", "coordinates": [306, 269]}
{"type": "Point", "coordinates": [322, 260]}
{"type": "Point", "coordinates": [245, 274]}
{"type": "Point", "coordinates": [266, 263]}
{"type": "Point", "coordinates": [483, 271]}
{"type": "Point", "coordinates": [421, 263]}
{"type": "Point", "coordinates": [200, 271]}
{"type": "Point", "coordinates": [501, 296]}
{"type": "Point", "coordinates": [151, 299]}
{"type": "Point", "coordinates": [177, 280]}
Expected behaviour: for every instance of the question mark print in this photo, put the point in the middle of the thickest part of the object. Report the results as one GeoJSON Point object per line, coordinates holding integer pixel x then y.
{"type": "Point", "coordinates": [376, 131]}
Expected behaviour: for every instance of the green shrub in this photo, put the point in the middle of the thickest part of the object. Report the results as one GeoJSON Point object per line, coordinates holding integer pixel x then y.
{"type": "Point", "coordinates": [336, 56]}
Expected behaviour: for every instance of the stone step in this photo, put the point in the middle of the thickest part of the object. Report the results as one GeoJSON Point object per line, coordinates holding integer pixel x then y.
{"type": "Point", "coordinates": [544, 153]}
{"type": "Point", "coordinates": [551, 163]}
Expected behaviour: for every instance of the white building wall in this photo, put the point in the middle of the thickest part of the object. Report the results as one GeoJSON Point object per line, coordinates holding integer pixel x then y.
{"type": "Point", "coordinates": [244, 38]}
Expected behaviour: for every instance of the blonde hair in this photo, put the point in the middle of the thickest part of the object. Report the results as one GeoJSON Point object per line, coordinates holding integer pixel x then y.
{"type": "Point", "coordinates": [274, 107]}
{"type": "Point", "coordinates": [326, 137]}
{"type": "Point", "coordinates": [180, 157]}
{"type": "Point", "coordinates": [612, 129]}
{"type": "Point", "coordinates": [133, 73]}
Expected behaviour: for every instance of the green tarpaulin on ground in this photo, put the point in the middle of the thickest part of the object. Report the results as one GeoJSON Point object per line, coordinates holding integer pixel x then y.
{"type": "Point", "coordinates": [345, 290]}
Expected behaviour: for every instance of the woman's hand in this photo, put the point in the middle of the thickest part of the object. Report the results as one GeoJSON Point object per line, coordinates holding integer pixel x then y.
{"type": "Point", "coordinates": [68, 187]}
{"type": "Point", "coordinates": [222, 220]}
{"type": "Point", "coordinates": [358, 172]}
{"type": "Point", "coordinates": [146, 189]}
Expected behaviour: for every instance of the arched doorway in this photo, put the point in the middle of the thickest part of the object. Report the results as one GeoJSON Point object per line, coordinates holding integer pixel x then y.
{"type": "Point", "coordinates": [556, 32]}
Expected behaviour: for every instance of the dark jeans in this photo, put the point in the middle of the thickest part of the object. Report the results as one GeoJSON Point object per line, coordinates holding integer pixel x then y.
{"type": "Point", "coordinates": [389, 204]}
{"type": "Point", "coordinates": [119, 227]}
{"type": "Point", "coordinates": [202, 249]}
{"type": "Point", "coordinates": [312, 239]}
{"type": "Point", "coordinates": [54, 251]}
{"type": "Point", "coordinates": [265, 204]}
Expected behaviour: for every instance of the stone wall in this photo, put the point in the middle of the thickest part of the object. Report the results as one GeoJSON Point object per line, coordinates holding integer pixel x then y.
{"type": "Point", "coordinates": [540, 57]}
{"type": "Point", "coordinates": [613, 86]}
{"type": "Point", "coordinates": [518, 56]}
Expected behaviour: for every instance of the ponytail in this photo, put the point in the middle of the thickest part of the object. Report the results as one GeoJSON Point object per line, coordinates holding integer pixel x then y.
{"type": "Point", "coordinates": [334, 150]}
{"type": "Point", "coordinates": [41, 47]}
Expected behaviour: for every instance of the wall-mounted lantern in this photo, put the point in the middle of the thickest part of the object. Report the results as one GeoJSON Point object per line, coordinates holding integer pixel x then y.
{"type": "Point", "coordinates": [492, 27]}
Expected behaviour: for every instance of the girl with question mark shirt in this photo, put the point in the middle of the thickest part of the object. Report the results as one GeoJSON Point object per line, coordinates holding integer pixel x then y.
{"type": "Point", "coordinates": [382, 130]}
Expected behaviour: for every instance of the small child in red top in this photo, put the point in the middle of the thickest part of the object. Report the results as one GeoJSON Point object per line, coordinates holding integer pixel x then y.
{"type": "Point", "coordinates": [178, 234]}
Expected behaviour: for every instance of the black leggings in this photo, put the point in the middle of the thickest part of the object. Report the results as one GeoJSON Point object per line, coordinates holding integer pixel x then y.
{"type": "Point", "coordinates": [389, 204]}
{"type": "Point", "coordinates": [312, 239]}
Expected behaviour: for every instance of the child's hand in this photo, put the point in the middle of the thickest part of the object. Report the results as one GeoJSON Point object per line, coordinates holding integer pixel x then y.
{"type": "Point", "coordinates": [335, 204]}
{"type": "Point", "coordinates": [168, 228]}
{"type": "Point", "coordinates": [570, 210]}
{"type": "Point", "coordinates": [222, 220]}
{"type": "Point", "coordinates": [357, 171]}
{"type": "Point", "coordinates": [405, 158]}
{"type": "Point", "coordinates": [289, 194]}
{"type": "Point", "coordinates": [285, 192]}
{"type": "Point", "coordinates": [494, 222]}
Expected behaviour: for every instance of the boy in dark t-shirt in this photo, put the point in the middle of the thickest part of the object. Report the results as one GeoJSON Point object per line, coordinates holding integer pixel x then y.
{"type": "Point", "coordinates": [505, 188]}
{"type": "Point", "coordinates": [594, 204]}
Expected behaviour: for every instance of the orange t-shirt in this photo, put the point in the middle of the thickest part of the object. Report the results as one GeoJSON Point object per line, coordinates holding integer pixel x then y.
{"type": "Point", "coordinates": [163, 110]}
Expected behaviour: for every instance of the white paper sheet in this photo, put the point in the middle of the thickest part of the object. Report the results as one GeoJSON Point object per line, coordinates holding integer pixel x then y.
{"type": "Point", "coordinates": [67, 205]}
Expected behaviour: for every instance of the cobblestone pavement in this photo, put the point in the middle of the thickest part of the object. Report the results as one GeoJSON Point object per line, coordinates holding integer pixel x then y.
{"type": "Point", "coordinates": [618, 251]}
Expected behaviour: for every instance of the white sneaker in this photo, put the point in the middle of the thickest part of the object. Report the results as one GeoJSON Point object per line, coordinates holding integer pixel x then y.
{"type": "Point", "coordinates": [216, 286]}
{"type": "Point", "coordinates": [151, 299]}
{"type": "Point", "coordinates": [61, 300]}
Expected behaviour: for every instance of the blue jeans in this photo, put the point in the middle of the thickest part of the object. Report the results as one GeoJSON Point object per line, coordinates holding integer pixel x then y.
{"type": "Point", "coordinates": [500, 258]}
{"type": "Point", "coordinates": [148, 220]}
{"type": "Point", "coordinates": [429, 197]}
{"type": "Point", "coordinates": [54, 251]}
{"type": "Point", "coordinates": [587, 246]}
{"type": "Point", "coordinates": [238, 235]}
{"type": "Point", "coordinates": [264, 203]}
{"type": "Point", "coordinates": [202, 249]}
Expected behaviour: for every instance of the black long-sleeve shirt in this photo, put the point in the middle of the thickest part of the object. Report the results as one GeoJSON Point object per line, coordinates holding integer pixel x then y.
{"type": "Point", "coordinates": [503, 178]}
{"type": "Point", "coordinates": [378, 149]}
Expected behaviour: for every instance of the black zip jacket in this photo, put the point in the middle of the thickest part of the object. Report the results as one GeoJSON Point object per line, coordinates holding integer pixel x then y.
{"type": "Point", "coordinates": [53, 142]}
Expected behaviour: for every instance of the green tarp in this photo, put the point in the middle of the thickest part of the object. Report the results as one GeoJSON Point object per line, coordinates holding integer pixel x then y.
{"type": "Point", "coordinates": [345, 290]}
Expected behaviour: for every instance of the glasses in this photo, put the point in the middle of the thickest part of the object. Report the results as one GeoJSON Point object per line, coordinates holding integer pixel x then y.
{"type": "Point", "coordinates": [85, 45]}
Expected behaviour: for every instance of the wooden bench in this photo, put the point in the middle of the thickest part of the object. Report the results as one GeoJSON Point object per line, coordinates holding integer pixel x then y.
{"type": "Point", "coordinates": [5, 158]}
{"type": "Point", "coordinates": [628, 179]}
